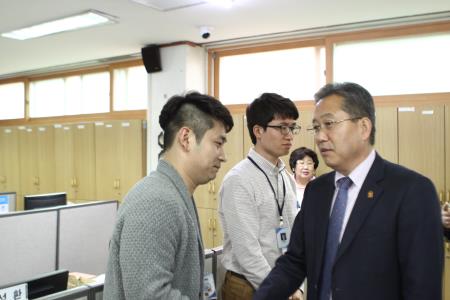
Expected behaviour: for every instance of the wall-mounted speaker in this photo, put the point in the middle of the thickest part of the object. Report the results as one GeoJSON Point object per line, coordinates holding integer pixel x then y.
{"type": "Point", "coordinates": [151, 58]}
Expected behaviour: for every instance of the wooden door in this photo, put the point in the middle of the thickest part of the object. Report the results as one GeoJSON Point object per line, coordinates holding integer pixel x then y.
{"type": "Point", "coordinates": [421, 141]}
{"type": "Point", "coordinates": [206, 226]}
{"type": "Point", "coordinates": [46, 158]}
{"type": "Point", "coordinates": [64, 163]}
{"type": "Point", "coordinates": [130, 145]}
{"type": "Point", "coordinates": [9, 160]}
{"type": "Point", "coordinates": [118, 157]}
{"type": "Point", "coordinates": [28, 157]}
{"type": "Point", "coordinates": [217, 229]}
{"type": "Point", "coordinates": [83, 182]}
{"type": "Point", "coordinates": [107, 167]}
{"type": "Point", "coordinates": [386, 137]}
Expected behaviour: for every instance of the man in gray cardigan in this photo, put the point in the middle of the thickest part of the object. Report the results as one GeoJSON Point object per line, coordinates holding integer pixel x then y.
{"type": "Point", "coordinates": [156, 250]}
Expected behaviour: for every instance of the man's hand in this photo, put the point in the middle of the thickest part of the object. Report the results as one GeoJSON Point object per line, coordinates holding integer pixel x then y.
{"type": "Point", "coordinates": [298, 295]}
{"type": "Point", "coordinates": [446, 215]}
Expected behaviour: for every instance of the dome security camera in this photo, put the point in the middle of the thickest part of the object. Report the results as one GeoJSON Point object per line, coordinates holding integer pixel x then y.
{"type": "Point", "coordinates": [205, 31]}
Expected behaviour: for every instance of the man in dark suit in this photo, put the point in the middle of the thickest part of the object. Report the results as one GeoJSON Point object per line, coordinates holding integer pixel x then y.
{"type": "Point", "coordinates": [370, 229]}
{"type": "Point", "coordinates": [446, 220]}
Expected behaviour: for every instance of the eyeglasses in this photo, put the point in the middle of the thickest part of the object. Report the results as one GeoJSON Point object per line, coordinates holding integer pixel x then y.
{"type": "Point", "coordinates": [285, 130]}
{"type": "Point", "coordinates": [328, 125]}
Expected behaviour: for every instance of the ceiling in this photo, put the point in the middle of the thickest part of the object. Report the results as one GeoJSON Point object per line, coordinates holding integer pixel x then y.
{"type": "Point", "coordinates": [140, 25]}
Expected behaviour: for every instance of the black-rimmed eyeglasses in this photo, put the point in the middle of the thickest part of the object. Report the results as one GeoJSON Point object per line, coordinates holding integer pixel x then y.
{"type": "Point", "coordinates": [285, 130]}
{"type": "Point", "coordinates": [328, 125]}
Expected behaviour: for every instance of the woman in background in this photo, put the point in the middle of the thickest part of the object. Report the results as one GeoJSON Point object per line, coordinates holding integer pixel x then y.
{"type": "Point", "coordinates": [303, 162]}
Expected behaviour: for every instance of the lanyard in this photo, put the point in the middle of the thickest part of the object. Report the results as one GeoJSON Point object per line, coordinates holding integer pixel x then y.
{"type": "Point", "coordinates": [280, 209]}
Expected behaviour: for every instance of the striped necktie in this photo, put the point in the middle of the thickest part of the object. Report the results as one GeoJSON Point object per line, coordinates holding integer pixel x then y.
{"type": "Point", "coordinates": [333, 234]}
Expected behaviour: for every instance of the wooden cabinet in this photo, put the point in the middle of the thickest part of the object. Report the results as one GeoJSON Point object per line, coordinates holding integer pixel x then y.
{"type": "Point", "coordinates": [421, 141]}
{"type": "Point", "coordinates": [118, 156]}
{"type": "Point", "coordinates": [36, 157]}
{"type": "Point", "coordinates": [212, 233]}
{"type": "Point", "coordinates": [9, 161]}
{"type": "Point", "coordinates": [75, 161]}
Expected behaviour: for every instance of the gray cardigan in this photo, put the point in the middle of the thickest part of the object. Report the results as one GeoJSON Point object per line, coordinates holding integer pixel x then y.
{"type": "Point", "coordinates": [156, 250]}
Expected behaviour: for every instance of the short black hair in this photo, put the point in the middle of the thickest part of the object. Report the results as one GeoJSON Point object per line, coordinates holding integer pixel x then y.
{"type": "Point", "coordinates": [194, 110]}
{"type": "Point", "coordinates": [357, 101]}
{"type": "Point", "coordinates": [267, 107]}
{"type": "Point", "coordinates": [299, 154]}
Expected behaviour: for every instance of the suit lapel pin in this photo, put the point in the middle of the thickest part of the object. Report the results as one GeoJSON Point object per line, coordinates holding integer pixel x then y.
{"type": "Point", "coordinates": [370, 194]}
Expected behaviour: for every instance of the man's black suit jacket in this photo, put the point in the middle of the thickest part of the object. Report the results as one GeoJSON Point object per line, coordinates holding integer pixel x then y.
{"type": "Point", "coordinates": [392, 247]}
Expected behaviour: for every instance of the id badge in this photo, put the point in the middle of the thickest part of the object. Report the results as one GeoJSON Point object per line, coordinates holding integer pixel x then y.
{"type": "Point", "coordinates": [282, 237]}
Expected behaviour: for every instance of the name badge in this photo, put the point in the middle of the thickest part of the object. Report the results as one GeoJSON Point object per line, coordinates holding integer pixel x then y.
{"type": "Point", "coordinates": [283, 236]}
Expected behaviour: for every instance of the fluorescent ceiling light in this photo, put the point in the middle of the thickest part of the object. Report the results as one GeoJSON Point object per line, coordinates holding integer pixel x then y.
{"type": "Point", "coordinates": [83, 20]}
{"type": "Point", "coordinates": [169, 5]}
{"type": "Point", "coordinates": [224, 3]}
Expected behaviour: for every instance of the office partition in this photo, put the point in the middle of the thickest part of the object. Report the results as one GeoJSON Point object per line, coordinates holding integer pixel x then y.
{"type": "Point", "coordinates": [84, 234]}
{"type": "Point", "coordinates": [28, 241]}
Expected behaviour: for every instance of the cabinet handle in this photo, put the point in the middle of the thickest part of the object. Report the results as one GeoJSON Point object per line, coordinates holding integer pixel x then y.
{"type": "Point", "coordinates": [118, 183]}
{"type": "Point", "coordinates": [448, 196]}
{"type": "Point", "coordinates": [441, 198]}
{"type": "Point", "coordinates": [214, 187]}
{"type": "Point", "coordinates": [209, 187]}
{"type": "Point", "coordinates": [210, 224]}
{"type": "Point", "coordinates": [36, 180]}
{"type": "Point", "coordinates": [215, 227]}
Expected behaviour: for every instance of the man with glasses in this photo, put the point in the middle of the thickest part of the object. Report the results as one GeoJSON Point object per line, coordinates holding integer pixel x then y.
{"type": "Point", "coordinates": [256, 198]}
{"type": "Point", "coordinates": [368, 230]}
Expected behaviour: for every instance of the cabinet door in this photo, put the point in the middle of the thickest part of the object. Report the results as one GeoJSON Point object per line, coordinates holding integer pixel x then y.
{"type": "Point", "coordinates": [421, 141]}
{"type": "Point", "coordinates": [386, 138]}
{"type": "Point", "coordinates": [46, 158]}
{"type": "Point", "coordinates": [84, 162]}
{"type": "Point", "coordinates": [64, 165]}
{"type": "Point", "coordinates": [206, 226]}
{"type": "Point", "coordinates": [28, 158]}
{"type": "Point", "coordinates": [130, 154]}
{"type": "Point", "coordinates": [107, 158]}
{"type": "Point", "coordinates": [119, 162]}
{"type": "Point", "coordinates": [217, 229]}
{"type": "Point", "coordinates": [9, 160]}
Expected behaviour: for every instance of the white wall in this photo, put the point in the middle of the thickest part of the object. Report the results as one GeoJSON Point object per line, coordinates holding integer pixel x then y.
{"type": "Point", "coordinates": [183, 69]}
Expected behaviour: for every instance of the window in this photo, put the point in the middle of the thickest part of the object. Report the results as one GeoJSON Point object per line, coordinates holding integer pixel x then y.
{"type": "Point", "coordinates": [407, 65]}
{"type": "Point", "coordinates": [81, 94]}
{"type": "Point", "coordinates": [130, 88]}
{"type": "Point", "coordinates": [12, 101]}
{"type": "Point", "coordinates": [293, 73]}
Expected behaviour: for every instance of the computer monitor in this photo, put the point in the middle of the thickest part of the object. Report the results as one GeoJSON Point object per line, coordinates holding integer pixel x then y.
{"type": "Point", "coordinates": [7, 202]}
{"type": "Point", "coordinates": [47, 284]}
{"type": "Point", "coordinates": [44, 200]}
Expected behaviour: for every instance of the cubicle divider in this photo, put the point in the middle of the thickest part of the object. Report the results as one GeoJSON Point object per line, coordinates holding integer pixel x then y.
{"type": "Point", "coordinates": [95, 291]}
{"type": "Point", "coordinates": [74, 237]}
{"type": "Point", "coordinates": [28, 244]}
{"type": "Point", "coordinates": [84, 234]}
